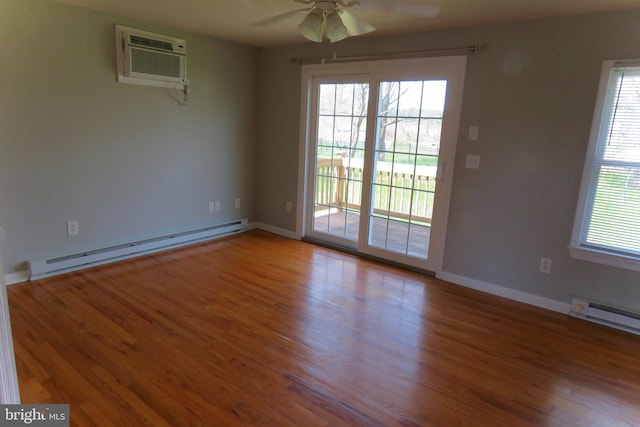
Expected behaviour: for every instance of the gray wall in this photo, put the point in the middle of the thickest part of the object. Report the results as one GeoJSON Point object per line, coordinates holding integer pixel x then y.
{"type": "Point", "coordinates": [532, 92]}
{"type": "Point", "coordinates": [127, 162]}
{"type": "Point", "coordinates": [124, 160]}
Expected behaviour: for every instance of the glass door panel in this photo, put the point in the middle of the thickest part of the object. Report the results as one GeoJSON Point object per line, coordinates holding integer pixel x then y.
{"type": "Point", "coordinates": [379, 147]}
{"type": "Point", "coordinates": [339, 159]}
{"type": "Point", "coordinates": [405, 165]}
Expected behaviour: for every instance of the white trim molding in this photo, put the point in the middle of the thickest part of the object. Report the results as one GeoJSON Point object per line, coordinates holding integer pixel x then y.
{"type": "Point", "coordinates": [502, 291]}
{"type": "Point", "coordinates": [275, 230]}
{"type": "Point", "coordinates": [588, 241]}
{"type": "Point", "coordinates": [9, 392]}
{"type": "Point", "coordinates": [607, 258]}
{"type": "Point", "coordinates": [17, 277]}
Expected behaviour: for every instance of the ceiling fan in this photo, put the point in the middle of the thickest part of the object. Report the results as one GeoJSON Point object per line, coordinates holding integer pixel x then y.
{"type": "Point", "coordinates": [333, 20]}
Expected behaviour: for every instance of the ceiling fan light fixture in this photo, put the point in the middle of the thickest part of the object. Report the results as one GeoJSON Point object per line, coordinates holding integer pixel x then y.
{"type": "Point", "coordinates": [333, 20]}
{"type": "Point", "coordinates": [312, 26]}
{"type": "Point", "coordinates": [335, 28]}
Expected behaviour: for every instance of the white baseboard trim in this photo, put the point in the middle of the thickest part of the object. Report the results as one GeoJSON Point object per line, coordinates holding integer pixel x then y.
{"type": "Point", "coordinates": [18, 277]}
{"type": "Point", "coordinates": [505, 292]}
{"type": "Point", "coordinates": [275, 230]}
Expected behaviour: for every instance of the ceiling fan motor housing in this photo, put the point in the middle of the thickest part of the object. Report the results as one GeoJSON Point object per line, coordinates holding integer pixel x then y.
{"type": "Point", "coordinates": [332, 18]}
{"type": "Point", "coordinates": [326, 5]}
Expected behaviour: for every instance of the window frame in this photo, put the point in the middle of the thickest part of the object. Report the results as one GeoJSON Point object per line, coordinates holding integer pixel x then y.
{"type": "Point", "coordinates": [576, 249]}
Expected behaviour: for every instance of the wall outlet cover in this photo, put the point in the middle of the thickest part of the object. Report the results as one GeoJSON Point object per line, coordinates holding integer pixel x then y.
{"type": "Point", "coordinates": [472, 161]}
{"type": "Point", "coordinates": [72, 228]}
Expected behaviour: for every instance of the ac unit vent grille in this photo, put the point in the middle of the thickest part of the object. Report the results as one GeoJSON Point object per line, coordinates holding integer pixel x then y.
{"type": "Point", "coordinates": [150, 59]}
{"type": "Point", "coordinates": [154, 63]}
{"type": "Point", "coordinates": [152, 43]}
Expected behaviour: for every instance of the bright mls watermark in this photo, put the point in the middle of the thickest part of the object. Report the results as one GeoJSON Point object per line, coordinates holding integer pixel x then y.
{"type": "Point", "coordinates": [34, 415]}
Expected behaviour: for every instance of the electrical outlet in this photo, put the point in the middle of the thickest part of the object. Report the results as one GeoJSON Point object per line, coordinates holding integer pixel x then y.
{"type": "Point", "coordinates": [72, 228]}
{"type": "Point", "coordinates": [212, 207]}
{"type": "Point", "coordinates": [218, 206]}
{"type": "Point", "coordinates": [289, 207]}
{"type": "Point", "coordinates": [237, 203]}
{"type": "Point", "coordinates": [472, 161]}
{"type": "Point", "coordinates": [545, 265]}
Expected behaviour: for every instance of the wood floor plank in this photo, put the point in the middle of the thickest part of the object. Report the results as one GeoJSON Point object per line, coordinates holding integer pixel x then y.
{"type": "Point", "coordinates": [256, 329]}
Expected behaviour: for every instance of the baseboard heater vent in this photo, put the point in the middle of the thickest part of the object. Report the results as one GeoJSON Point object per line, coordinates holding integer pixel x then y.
{"type": "Point", "coordinates": [606, 314]}
{"type": "Point", "coordinates": [40, 268]}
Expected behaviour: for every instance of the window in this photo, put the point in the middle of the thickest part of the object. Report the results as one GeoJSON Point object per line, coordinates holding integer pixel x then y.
{"type": "Point", "coordinates": [607, 224]}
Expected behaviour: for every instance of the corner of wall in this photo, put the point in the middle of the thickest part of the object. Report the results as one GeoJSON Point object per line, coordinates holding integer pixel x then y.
{"type": "Point", "coordinates": [17, 277]}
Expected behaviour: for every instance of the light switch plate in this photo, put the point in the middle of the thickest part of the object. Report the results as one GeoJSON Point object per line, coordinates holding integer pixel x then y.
{"type": "Point", "coordinates": [474, 131]}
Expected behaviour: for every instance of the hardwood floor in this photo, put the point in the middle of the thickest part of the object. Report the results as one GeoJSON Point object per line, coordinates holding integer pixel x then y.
{"type": "Point", "coordinates": [256, 329]}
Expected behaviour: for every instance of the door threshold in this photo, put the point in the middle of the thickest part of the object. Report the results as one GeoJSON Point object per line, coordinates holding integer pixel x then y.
{"type": "Point", "coordinates": [355, 252]}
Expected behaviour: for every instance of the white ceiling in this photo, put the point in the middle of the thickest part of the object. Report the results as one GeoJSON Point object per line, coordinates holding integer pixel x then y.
{"type": "Point", "coordinates": [235, 19]}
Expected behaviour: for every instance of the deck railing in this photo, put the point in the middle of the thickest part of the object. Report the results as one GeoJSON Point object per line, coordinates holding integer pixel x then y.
{"type": "Point", "coordinates": [400, 192]}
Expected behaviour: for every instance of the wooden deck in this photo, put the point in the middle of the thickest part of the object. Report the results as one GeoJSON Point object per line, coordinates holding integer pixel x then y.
{"type": "Point", "coordinates": [396, 236]}
{"type": "Point", "coordinates": [256, 329]}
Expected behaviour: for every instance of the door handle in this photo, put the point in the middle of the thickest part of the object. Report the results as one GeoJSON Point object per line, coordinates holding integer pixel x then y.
{"type": "Point", "coordinates": [440, 173]}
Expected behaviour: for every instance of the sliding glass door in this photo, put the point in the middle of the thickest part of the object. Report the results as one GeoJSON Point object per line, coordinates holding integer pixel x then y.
{"type": "Point", "coordinates": [341, 120]}
{"type": "Point", "coordinates": [405, 165]}
{"type": "Point", "coordinates": [379, 153]}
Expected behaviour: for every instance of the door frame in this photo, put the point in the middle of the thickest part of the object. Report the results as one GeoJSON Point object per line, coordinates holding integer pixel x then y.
{"type": "Point", "coordinates": [452, 68]}
{"type": "Point", "coordinates": [9, 392]}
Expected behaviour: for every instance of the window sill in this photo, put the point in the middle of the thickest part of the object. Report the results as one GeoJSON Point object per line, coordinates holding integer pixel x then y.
{"type": "Point", "coordinates": [606, 258]}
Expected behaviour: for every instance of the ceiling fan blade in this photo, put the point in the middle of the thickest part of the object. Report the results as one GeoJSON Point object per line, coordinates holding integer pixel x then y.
{"type": "Point", "coordinates": [355, 25]}
{"type": "Point", "coordinates": [423, 9]}
{"type": "Point", "coordinates": [282, 17]}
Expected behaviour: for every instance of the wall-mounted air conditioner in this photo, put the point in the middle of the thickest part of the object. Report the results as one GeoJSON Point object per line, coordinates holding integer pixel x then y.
{"type": "Point", "coordinates": [150, 59]}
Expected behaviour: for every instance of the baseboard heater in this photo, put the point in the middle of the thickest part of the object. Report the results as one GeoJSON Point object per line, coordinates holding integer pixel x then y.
{"type": "Point", "coordinates": [40, 268]}
{"type": "Point", "coordinates": [606, 314]}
